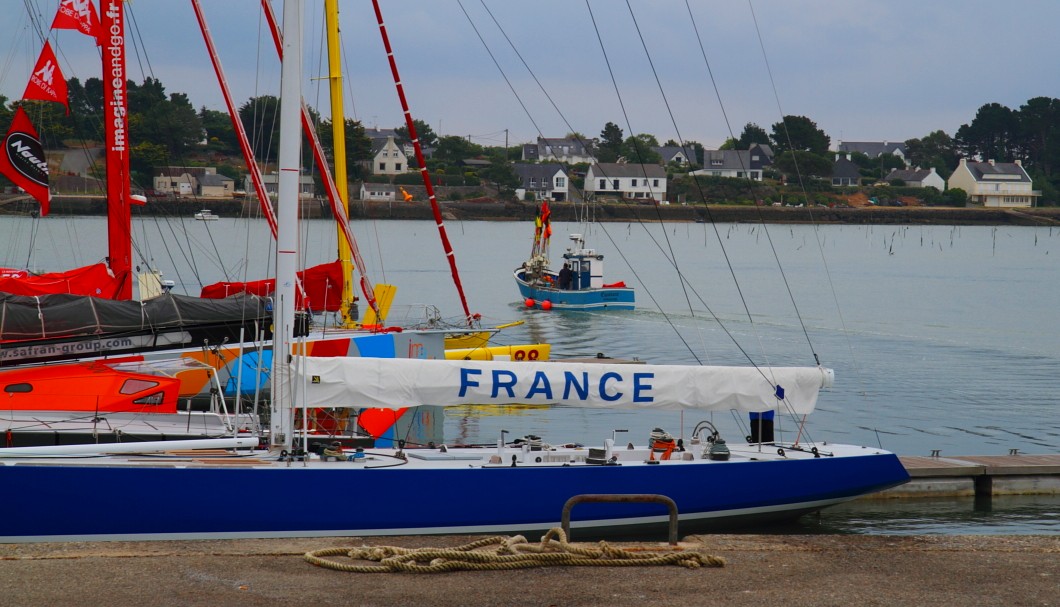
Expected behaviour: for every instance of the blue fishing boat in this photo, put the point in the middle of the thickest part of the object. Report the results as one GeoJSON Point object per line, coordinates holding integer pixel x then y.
{"type": "Point", "coordinates": [579, 285]}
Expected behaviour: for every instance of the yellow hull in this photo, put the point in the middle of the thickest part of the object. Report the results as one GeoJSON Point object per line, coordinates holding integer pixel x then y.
{"type": "Point", "coordinates": [536, 352]}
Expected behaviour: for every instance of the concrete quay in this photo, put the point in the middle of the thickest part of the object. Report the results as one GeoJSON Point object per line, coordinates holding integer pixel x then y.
{"type": "Point", "coordinates": [979, 476]}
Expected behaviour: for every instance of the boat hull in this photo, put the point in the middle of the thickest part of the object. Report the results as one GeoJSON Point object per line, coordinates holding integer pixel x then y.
{"type": "Point", "coordinates": [607, 298]}
{"type": "Point", "coordinates": [180, 499]}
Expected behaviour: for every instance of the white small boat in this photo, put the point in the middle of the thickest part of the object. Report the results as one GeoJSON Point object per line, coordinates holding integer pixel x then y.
{"type": "Point", "coordinates": [206, 215]}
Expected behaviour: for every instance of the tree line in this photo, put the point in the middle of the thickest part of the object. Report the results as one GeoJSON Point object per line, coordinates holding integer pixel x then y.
{"type": "Point", "coordinates": [166, 129]}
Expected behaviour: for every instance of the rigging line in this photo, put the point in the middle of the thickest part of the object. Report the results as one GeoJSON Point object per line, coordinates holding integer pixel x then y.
{"type": "Point", "coordinates": [802, 185]}
{"type": "Point", "coordinates": [750, 184]}
{"type": "Point", "coordinates": [496, 63]}
{"type": "Point", "coordinates": [140, 42]}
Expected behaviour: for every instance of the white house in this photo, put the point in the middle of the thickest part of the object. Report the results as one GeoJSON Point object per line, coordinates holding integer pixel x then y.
{"type": "Point", "coordinates": [271, 181]}
{"type": "Point", "coordinates": [641, 182]}
{"type": "Point", "coordinates": [378, 191]}
{"type": "Point", "coordinates": [917, 178]}
{"type": "Point", "coordinates": [995, 184]}
{"type": "Point", "coordinates": [388, 158]}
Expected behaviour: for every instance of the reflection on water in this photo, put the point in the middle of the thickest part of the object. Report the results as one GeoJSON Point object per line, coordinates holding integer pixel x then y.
{"type": "Point", "coordinates": [1001, 515]}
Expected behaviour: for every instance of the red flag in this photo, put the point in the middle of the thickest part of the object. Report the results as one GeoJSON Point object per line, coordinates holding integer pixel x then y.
{"type": "Point", "coordinates": [22, 160]}
{"type": "Point", "coordinates": [47, 82]}
{"type": "Point", "coordinates": [78, 15]}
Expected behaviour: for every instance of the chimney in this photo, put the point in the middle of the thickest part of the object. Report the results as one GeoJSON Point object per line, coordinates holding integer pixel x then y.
{"type": "Point", "coordinates": [1019, 162]}
{"type": "Point", "coordinates": [991, 161]}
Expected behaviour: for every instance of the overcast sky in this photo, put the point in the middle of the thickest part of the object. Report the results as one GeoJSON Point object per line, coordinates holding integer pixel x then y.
{"type": "Point", "coordinates": [862, 70]}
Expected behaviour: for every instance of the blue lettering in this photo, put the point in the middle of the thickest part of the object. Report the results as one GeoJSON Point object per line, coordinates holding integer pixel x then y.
{"type": "Point", "coordinates": [603, 387]}
{"type": "Point", "coordinates": [508, 383]}
{"type": "Point", "coordinates": [570, 381]}
{"type": "Point", "coordinates": [466, 382]}
{"type": "Point", "coordinates": [640, 385]}
{"type": "Point", "coordinates": [541, 385]}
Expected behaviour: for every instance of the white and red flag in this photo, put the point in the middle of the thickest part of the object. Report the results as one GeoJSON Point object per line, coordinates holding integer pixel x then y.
{"type": "Point", "coordinates": [22, 159]}
{"type": "Point", "coordinates": [78, 15]}
{"type": "Point", "coordinates": [47, 82]}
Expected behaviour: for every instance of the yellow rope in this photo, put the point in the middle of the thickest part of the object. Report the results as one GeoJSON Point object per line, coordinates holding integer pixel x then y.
{"type": "Point", "coordinates": [510, 553]}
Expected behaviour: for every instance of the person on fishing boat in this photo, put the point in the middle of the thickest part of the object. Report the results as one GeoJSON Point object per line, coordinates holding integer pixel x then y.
{"type": "Point", "coordinates": [565, 276]}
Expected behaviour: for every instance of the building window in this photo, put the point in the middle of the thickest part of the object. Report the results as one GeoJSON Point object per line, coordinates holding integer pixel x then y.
{"type": "Point", "coordinates": [561, 182]}
{"type": "Point", "coordinates": [382, 166]}
{"type": "Point", "coordinates": [603, 184]}
{"type": "Point", "coordinates": [655, 183]}
{"type": "Point", "coordinates": [614, 184]}
{"type": "Point", "coordinates": [633, 182]}
{"type": "Point", "coordinates": [533, 182]}
{"type": "Point", "coordinates": [397, 167]}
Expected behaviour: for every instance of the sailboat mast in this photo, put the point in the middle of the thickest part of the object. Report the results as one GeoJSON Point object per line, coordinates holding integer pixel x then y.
{"type": "Point", "coordinates": [338, 132]}
{"type": "Point", "coordinates": [116, 127]}
{"type": "Point", "coordinates": [448, 248]}
{"type": "Point", "coordinates": [287, 219]}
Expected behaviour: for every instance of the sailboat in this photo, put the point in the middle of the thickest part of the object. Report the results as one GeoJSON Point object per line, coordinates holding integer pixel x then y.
{"type": "Point", "coordinates": [518, 486]}
{"type": "Point", "coordinates": [578, 286]}
{"type": "Point", "coordinates": [87, 315]}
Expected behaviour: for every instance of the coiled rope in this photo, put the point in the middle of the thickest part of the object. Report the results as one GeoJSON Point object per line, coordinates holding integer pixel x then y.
{"type": "Point", "coordinates": [510, 553]}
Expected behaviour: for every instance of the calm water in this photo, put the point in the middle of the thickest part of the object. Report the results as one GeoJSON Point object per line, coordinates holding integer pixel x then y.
{"type": "Point", "coordinates": [941, 337]}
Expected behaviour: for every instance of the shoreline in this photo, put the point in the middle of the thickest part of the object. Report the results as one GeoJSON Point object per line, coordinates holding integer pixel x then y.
{"type": "Point", "coordinates": [478, 210]}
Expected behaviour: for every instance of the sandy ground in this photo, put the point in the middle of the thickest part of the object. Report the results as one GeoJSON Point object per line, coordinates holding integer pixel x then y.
{"type": "Point", "coordinates": [760, 570]}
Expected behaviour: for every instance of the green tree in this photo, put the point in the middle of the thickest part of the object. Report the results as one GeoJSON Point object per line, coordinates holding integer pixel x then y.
{"type": "Point", "coordinates": [261, 121]}
{"type": "Point", "coordinates": [428, 138]}
{"type": "Point", "coordinates": [452, 149]}
{"type": "Point", "coordinates": [358, 146]}
{"type": "Point", "coordinates": [641, 149]}
{"type": "Point", "coordinates": [803, 163]}
{"type": "Point", "coordinates": [800, 133]}
{"type": "Point", "coordinates": [729, 144]}
{"type": "Point", "coordinates": [992, 134]}
{"type": "Point", "coordinates": [611, 143]}
{"type": "Point", "coordinates": [220, 134]}
{"type": "Point", "coordinates": [936, 149]}
{"type": "Point", "coordinates": [752, 134]}
{"type": "Point", "coordinates": [955, 197]}
{"type": "Point", "coordinates": [1040, 134]}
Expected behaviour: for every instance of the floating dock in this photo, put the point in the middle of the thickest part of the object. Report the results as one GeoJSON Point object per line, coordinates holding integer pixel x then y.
{"type": "Point", "coordinates": [979, 476]}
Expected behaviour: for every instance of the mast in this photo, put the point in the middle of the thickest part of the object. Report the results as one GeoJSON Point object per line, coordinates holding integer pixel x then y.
{"type": "Point", "coordinates": [338, 132]}
{"type": "Point", "coordinates": [116, 126]}
{"type": "Point", "coordinates": [449, 255]}
{"type": "Point", "coordinates": [287, 219]}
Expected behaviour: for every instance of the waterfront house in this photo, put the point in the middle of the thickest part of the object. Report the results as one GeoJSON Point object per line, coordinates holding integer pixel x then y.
{"type": "Point", "coordinates": [306, 186]}
{"type": "Point", "coordinates": [742, 164]}
{"type": "Point", "coordinates": [638, 182]}
{"type": "Point", "coordinates": [378, 191]}
{"type": "Point", "coordinates": [570, 151]}
{"type": "Point", "coordinates": [388, 158]}
{"type": "Point", "coordinates": [845, 172]}
{"type": "Point", "coordinates": [917, 178]}
{"type": "Point", "coordinates": [542, 181]}
{"type": "Point", "coordinates": [683, 156]}
{"type": "Point", "coordinates": [192, 181]}
{"type": "Point", "coordinates": [874, 149]}
{"type": "Point", "coordinates": [995, 184]}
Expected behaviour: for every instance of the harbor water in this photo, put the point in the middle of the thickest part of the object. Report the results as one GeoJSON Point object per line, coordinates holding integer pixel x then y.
{"type": "Point", "coordinates": [941, 337]}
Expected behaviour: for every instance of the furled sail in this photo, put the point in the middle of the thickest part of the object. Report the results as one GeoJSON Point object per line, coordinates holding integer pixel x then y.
{"type": "Point", "coordinates": [394, 383]}
{"type": "Point", "coordinates": [322, 285]}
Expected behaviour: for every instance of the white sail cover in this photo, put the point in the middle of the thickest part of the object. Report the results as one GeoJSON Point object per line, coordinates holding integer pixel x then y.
{"type": "Point", "coordinates": [394, 383]}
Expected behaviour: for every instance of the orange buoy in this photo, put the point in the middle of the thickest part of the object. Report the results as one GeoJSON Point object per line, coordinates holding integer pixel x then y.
{"type": "Point", "coordinates": [546, 305]}
{"type": "Point", "coordinates": [529, 302]}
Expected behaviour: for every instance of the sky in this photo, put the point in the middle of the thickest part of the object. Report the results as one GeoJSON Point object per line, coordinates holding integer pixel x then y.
{"type": "Point", "coordinates": [863, 71]}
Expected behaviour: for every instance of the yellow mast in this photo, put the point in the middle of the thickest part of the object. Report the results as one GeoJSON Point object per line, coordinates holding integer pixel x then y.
{"type": "Point", "coordinates": [338, 131]}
